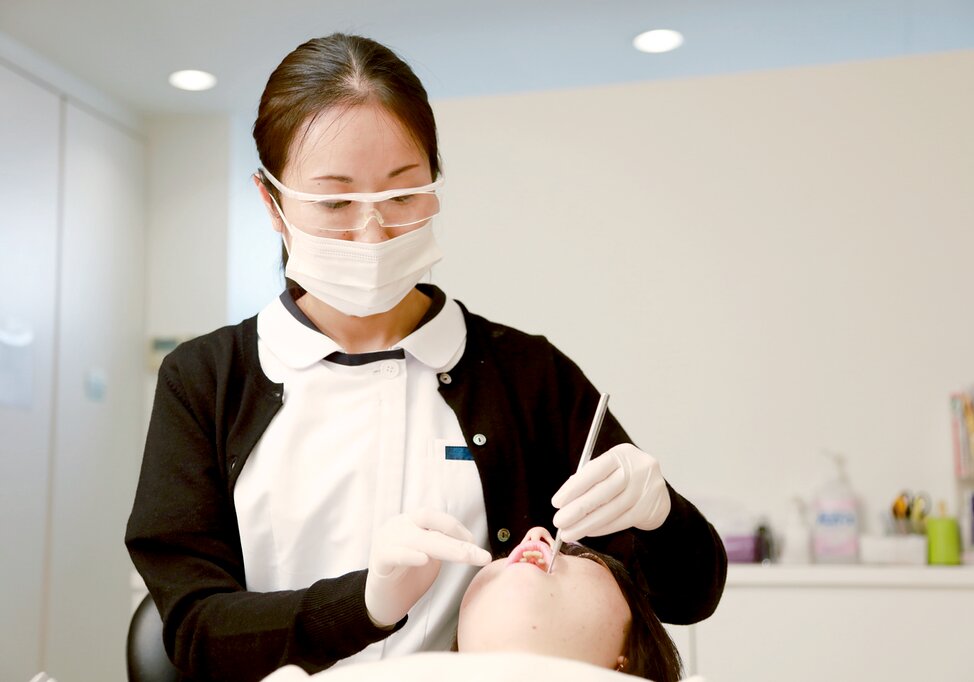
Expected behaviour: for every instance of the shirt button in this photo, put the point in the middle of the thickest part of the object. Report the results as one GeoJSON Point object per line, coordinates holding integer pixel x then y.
{"type": "Point", "coordinates": [445, 378]}
{"type": "Point", "coordinates": [479, 439]}
{"type": "Point", "coordinates": [389, 369]}
{"type": "Point", "coordinates": [503, 535]}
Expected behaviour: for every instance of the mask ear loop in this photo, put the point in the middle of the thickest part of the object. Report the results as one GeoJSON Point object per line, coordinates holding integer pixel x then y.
{"type": "Point", "coordinates": [287, 226]}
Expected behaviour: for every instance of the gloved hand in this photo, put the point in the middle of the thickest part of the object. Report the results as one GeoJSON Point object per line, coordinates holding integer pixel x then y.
{"type": "Point", "coordinates": [405, 560]}
{"type": "Point", "coordinates": [621, 489]}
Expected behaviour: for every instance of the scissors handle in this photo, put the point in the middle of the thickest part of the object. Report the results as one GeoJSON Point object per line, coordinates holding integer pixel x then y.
{"type": "Point", "coordinates": [593, 434]}
{"type": "Point", "coordinates": [910, 511]}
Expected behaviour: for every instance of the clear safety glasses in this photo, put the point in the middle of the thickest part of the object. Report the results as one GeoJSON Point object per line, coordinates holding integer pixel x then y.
{"type": "Point", "coordinates": [326, 213]}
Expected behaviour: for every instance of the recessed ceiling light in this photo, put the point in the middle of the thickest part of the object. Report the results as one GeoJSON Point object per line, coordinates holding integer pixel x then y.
{"type": "Point", "coordinates": [658, 40]}
{"type": "Point", "coordinates": [192, 80]}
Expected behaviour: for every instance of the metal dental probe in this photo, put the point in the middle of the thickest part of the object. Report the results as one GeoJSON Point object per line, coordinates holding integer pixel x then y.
{"type": "Point", "coordinates": [593, 433]}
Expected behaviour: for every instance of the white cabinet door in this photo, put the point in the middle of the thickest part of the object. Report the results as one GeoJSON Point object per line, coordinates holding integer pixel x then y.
{"type": "Point", "coordinates": [99, 434]}
{"type": "Point", "coordinates": [29, 134]}
{"type": "Point", "coordinates": [809, 634]}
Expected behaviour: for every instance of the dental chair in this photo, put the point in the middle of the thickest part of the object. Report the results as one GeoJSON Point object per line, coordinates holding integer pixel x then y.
{"type": "Point", "coordinates": [145, 655]}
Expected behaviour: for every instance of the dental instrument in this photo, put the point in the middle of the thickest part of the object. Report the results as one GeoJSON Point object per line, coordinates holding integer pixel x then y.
{"type": "Point", "coordinates": [593, 433]}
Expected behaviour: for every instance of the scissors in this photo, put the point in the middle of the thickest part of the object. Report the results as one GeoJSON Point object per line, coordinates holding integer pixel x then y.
{"type": "Point", "coordinates": [593, 433]}
{"type": "Point", "coordinates": [910, 511]}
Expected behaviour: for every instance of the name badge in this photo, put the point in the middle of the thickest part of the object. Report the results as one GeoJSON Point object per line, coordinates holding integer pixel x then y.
{"type": "Point", "coordinates": [457, 452]}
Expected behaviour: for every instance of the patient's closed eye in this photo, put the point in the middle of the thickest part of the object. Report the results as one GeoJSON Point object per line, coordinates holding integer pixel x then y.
{"type": "Point", "coordinates": [575, 549]}
{"type": "Point", "coordinates": [594, 557]}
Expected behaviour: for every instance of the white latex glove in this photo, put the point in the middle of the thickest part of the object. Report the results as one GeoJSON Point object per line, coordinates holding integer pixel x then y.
{"type": "Point", "coordinates": [405, 560]}
{"type": "Point", "coordinates": [623, 488]}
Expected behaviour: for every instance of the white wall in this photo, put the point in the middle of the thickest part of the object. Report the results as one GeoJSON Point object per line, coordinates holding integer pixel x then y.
{"type": "Point", "coordinates": [253, 248]}
{"type": "Point", "coordinates": [187, 209]}
{"type": "Point", "coordinates": [755, 266]}
{"type": "Point", "coordinates": [212, 256]}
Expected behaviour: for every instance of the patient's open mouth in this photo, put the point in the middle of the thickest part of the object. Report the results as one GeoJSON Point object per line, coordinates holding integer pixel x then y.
{"type": "Point", "coordinates": [533, 552]}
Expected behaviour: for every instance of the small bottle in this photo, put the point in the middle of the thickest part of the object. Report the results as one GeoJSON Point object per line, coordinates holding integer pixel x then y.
{"type": "Point", "coordinates": [835, 530]}
{"type": "Point", "coordinates": [796, 540]}
{"type": "Point", "coordinates": [764, 547]}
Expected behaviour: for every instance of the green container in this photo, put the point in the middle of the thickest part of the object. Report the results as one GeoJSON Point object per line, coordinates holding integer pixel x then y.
{"type": "Point", "coordinates": [943, 541]}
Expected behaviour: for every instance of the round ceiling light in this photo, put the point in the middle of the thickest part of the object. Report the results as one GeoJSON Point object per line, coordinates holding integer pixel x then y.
{"type": "Point", "coordinates": [658, 40]}
{"type": "Point", "coordinates": [191, 79]}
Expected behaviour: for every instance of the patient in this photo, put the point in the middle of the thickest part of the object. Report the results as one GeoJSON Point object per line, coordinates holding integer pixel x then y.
{"type": "Point", "coordinates": [586, 609]}
{"type": "Point", "coordinates": [585, 615]}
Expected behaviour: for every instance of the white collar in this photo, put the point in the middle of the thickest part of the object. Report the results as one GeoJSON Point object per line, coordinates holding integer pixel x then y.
{"type": "Point", "coordinates": [438, 343]}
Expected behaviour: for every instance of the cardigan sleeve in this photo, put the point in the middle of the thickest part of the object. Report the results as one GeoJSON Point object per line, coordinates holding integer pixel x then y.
{"type": "Point", "coordinates": [682, 565]}
{"type": "Point", "coordinates": [182, 536]}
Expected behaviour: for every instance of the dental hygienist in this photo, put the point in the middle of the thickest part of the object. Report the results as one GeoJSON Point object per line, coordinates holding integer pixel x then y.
{"type": "Point", "coordinates": [321, 482]}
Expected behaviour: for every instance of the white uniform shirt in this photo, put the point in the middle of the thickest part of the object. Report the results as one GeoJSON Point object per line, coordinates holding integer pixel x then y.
{"type": "Point", "coordinates": [359, 439]}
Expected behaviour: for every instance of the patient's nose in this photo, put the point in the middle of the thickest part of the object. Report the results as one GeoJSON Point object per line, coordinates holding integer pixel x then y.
{"type": "Point", "coordinates": [539, 534]}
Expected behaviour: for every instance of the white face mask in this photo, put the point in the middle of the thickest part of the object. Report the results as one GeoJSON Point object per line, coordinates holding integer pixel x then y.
{"type": "Point", "coordinates": [359, 278]}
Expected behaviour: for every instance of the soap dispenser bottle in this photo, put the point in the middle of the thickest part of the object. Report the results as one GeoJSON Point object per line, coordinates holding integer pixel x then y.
{"type": "Point", "coordinates": [835, 527]}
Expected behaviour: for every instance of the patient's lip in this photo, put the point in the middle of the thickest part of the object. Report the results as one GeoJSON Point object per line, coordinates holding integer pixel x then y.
{"type": "Point", "coordinates": [534, 552]}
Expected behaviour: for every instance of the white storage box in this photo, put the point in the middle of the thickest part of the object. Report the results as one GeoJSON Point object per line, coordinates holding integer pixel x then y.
{"type": "Point", "coordinates": [899, 550]}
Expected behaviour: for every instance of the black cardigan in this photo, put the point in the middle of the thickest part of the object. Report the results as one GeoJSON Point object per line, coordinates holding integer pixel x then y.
{"type": "Point", "coordinates": [213, 403]}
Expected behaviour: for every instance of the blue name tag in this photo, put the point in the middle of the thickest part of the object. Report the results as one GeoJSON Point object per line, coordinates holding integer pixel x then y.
{"type": "Point", "coordinates": [458, 452]}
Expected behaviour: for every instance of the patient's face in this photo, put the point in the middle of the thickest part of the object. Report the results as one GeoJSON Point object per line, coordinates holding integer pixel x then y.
{"type": "Point", "coordinates": [577, 611]}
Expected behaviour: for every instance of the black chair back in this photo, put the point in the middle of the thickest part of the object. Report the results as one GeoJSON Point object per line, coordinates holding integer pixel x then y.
{"type": "Point", "coordinates": [145, 654]}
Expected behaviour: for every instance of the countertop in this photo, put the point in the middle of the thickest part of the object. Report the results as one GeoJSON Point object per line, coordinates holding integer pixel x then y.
{"type": "Point", "coordinates": [850, 575]}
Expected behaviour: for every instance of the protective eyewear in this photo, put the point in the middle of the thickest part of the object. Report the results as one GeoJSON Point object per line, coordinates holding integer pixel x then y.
{"type": "Point", "coordinates": [352, 212]}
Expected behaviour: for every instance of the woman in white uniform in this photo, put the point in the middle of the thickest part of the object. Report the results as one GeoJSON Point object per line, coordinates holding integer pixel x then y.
{"type": "Point", "coordinates": [321, 482]}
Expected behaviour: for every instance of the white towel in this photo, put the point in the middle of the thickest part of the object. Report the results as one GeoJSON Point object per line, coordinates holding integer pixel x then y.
{"type": "Point", "coordinates": [485, 667]}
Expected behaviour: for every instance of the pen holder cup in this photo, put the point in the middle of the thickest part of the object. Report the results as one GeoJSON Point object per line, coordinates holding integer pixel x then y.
{"type": "Point", "coordinates": [943, 541]}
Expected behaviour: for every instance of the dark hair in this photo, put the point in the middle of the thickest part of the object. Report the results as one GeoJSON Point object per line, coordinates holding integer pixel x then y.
{"type": "Point", "coordinates": [649, 650]}
{"type": "Point", "coordinates": [339, 70]}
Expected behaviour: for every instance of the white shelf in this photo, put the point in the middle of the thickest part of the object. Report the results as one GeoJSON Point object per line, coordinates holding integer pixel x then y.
{"type": "Point", "coordinates": [852, 575]}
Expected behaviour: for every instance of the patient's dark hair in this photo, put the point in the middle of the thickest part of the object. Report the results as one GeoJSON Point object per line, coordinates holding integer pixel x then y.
{"type": "Point", "coordinates": [649, 651]}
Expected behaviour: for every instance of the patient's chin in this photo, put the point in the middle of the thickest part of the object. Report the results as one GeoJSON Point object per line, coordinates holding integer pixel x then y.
{"type": "Point", "coordinates": [491, 625]}
{"type": "Point", "coordinates": [504, 623]}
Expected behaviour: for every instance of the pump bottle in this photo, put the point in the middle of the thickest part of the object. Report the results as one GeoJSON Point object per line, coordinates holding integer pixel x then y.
{"type": "Point", "coordinates": [835, 528]}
